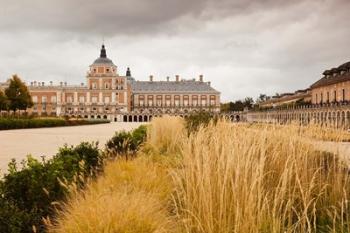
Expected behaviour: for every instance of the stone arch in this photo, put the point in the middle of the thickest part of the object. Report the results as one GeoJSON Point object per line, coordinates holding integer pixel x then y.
{"type": "Point", "coordinates": [140, 118]}
{"type": "Point", "coordinates": [145, 118]}
{"type": "Point", "coordinates": [105, 117]}
{"type": "Point", "coordinates": [135, 118]}
{"type": "Point", "coordinates": [98, 117]}
{"type": "Point", "coordinates": [125, 118]}
{"type": "Point", "coordinates": [92, 117]}
{"type": "Point", "coordinates": [130, 118]}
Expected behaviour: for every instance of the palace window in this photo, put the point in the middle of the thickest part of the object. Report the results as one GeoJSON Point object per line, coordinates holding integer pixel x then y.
{"type": "Point", "coordinates": [44, 99]}
{"type": "Point", "coordinates": [81, 99]}
{"type": "Point", "coordinates": [107, 70]}
{"type": "Point", "coordinates": [35, 99]}
{"type": "Point", "coordinates": [177, 103]}
{"type": "Point", "coordinates": [150, 103]}
{"type": "Point", "coordinates": [159, 103]}
{"type": "Point", "coordinates": [69, 99]}
{"type": "Point", "coordinates": [94, 99]}
{"type": "Point", "coordinates": [107, 99]}
{"type": "Point", "coordinates": [321, 97]}
{"type": "Point", "coordinates": [53, 99]}
{"type": "Point", "coordinates": [327, 97]}
{"type": "Point", "coordinates": [316, 97]}
{"type": "Point", "coordinates": [343, 94]}
{"type": "Point", "coordinates": [94, 86]}
{"type": "Point", "coordinates": [335, 96]}
{"type": "Point", "coordinates": [106, 85]}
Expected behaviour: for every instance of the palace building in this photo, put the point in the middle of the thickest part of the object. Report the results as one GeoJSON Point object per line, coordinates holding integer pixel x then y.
{"type": "Point", "coordinates": [333, 87]}
{"type": "Point", "coordinates": [109, 95]}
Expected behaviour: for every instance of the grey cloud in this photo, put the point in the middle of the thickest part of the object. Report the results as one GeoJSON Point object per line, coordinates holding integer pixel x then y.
{"type": "Point", "coordinates": [245, 47]}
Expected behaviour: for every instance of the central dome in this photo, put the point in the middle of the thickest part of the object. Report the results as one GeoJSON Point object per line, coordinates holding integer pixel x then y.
{"type": "Point", "coordinates": [103, 59]}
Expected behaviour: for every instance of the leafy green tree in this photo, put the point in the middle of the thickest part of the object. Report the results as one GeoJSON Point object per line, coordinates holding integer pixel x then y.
{"type": "Point", "coordinates": [3, 101]}
{"type": "Point", "coordinates": [18, 95]}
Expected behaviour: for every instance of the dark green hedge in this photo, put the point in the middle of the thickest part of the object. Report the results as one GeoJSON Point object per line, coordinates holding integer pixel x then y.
{"type": "Point", "coordinates": [23, 123]}
{"type": "Point", "coordinates": [27, 194]}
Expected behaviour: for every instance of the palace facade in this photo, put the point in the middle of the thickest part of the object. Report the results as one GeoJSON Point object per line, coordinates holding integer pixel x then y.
{"type": "Point", "coordinates": [109, 95]}
{"type": "Point", "coordinates": [332, 87]}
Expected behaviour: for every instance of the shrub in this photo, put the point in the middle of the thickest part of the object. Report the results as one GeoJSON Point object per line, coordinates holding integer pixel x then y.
{"type": "Point", "coordinates": [194, 121]}
{"type": "Point", "coordinates": [27, 194]}
{"type": "Point", "coordinates": [22, 123]}
{"type": "Point", "coordinates": [125, 143]}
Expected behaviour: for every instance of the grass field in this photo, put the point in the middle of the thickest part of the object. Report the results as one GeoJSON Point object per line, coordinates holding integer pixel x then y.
{"type": "Point", "coordinates": [222, 178]}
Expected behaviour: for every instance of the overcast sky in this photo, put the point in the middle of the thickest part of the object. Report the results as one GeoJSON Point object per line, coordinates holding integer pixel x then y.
{"type": "Point", "coordinates": [244, 47]}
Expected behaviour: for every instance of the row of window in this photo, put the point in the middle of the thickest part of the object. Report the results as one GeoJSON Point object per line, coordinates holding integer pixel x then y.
{"type": "Point", "coordinates": [175, 103]}
{"type": "Point", "coordinates": [107, 86]}
{"type": "Point", "coordinates": [69, 99]}
{"type": "Point", "coordinates": [330, 97]}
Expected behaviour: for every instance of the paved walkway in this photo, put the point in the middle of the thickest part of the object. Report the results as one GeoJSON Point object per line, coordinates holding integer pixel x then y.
{"type": "Point", "coordinates": [46, 141]}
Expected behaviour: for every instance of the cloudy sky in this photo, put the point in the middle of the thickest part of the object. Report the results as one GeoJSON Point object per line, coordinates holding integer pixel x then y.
{"type": "Point", "coordinates": [244, 47]}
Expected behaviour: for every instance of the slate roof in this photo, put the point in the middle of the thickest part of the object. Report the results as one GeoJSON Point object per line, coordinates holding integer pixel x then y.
{"type": "Point", "coordinates": [172, 86]}
{"type": "Point", "coordinates": [325, 81]}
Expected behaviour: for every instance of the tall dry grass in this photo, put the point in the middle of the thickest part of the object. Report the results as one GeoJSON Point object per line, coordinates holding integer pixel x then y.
{"type": "Point", "coordinates": [130, 197]}
{"type": "Point", "coordinates": [238, 179]}
{"type": "Point", "coordinates": [227, 178]}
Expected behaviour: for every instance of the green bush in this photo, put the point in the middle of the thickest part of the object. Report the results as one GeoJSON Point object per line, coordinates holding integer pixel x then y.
{"type": "Point", "coordinates": [23, 123]}
{"type": "Point", "coordinates": [194, 121]}
{"type": "Point", "coordinates": [27, 194]}
{"type": "Point", "coordinates": [125, 143]}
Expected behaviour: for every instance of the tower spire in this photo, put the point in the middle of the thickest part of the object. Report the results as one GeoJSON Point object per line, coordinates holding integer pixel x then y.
{"type": "Point", "coordinates": [128, 72]}
{"type": "Point", "coordinates": [103, 53]}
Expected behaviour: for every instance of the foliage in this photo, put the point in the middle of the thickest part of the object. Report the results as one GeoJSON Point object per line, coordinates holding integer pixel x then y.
{"type": "Point", "coordinates": [27, 194]}
{"type": "Point", "coordinates": [18, 95]}
{"type": "Point", "coordinates": [23, 123]}
{"type": "Point", "coordinates": [194, 121]}
{"type": "Point", "coordinates": [3, 101]}
{"type": "Point", "coordinates": [125, 143]}
{"type": "Point", "coordinates": [238, 105]}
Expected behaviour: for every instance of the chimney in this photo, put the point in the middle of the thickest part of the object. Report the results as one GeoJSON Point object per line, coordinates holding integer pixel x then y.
{"type": "Point", "coordinates": [61, 84]}
{"type": "Point", "coordinates": [177, 78]}
{"type": "Point", "coordinates": [51, 83]}
{"type": "Point", "coordinates": [167, 79]}
{"type": "Point", "coordinates": [82, 84]}
{"type": "Point", "coordinates": [201, 78]}
{"type": "Point", "coordinates": [151, 78]}
{"type": "Point", "coordinates": [208, 83]}
{"type": "Point", "coordinates": [43, 84]}
{"type": "Point", "coordinates": [65, 83]}
{"type": "Point", "coordinates": [31, 83]}
{"type": "Point", "coordinates": [34, 83]}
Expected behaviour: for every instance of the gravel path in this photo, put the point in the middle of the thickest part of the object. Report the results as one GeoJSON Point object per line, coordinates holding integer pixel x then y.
{"type": "Point", "coordinates": [46, 141]}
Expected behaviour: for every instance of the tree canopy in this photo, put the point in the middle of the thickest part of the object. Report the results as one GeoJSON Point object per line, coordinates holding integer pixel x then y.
{"type": "Point", "coordinates": [3, 101]}
{"type": "Point", "coordinates": [18, 95]}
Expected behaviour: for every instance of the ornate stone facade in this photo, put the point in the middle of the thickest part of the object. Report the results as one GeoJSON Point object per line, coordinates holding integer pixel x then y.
{"type": "Point", "coordinates": [109, 95]}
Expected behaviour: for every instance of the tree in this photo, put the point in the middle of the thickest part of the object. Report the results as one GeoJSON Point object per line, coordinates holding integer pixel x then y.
{"type": "Point", "coordinates": [3, 101]}
{"type": "Point", "coordinates": [18, 95]}
{"type": "Point", "coordinates": [248, 102]}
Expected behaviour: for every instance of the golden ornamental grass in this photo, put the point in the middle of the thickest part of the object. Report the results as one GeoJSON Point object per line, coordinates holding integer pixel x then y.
{"type": "Point", "coordinates": [227, 178]}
